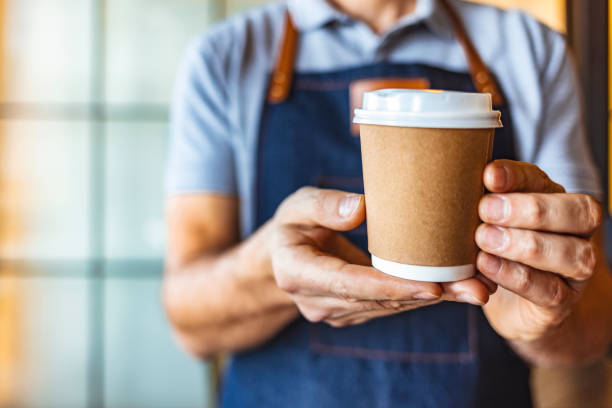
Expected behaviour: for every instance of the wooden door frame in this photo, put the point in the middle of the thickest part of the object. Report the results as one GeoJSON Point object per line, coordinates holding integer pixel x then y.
{"type": "Point", "coordinates": [587, 26]}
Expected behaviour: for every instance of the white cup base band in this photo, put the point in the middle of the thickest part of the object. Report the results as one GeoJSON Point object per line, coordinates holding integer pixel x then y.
{"type": "Point", "coordinates": [424, 273]}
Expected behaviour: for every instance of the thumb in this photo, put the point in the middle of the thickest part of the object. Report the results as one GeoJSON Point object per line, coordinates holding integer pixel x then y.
{"type": "Point", "coordinates": [333, 209]}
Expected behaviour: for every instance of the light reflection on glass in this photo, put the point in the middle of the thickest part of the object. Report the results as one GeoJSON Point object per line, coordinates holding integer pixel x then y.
{"type": "Point", "coordinates": [46, 45]}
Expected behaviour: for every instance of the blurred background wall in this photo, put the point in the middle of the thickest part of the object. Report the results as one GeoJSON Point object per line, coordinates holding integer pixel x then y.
{"type": "Point", "coordinates": [84, 92]}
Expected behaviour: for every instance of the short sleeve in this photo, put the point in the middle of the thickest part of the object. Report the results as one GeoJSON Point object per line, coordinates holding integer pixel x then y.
{"type": "Point", "coordinates": [201, 156]}
{"type": "Point", "coordinates": [564, 152]}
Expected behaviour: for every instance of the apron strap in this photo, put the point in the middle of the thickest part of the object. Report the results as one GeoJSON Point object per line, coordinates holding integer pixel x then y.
{"type": "Point", "coordinates": [282, 76]}
{"type": "Point", "coordinates": [482, 78]}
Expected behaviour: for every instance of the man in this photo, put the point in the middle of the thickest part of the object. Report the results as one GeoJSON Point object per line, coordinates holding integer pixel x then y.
{"type": "Point", "coordinates": [267, 257]}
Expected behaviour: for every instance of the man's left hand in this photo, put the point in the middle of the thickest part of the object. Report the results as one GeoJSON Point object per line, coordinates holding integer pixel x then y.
{"type": "Point", "coordinates": [535, 244]}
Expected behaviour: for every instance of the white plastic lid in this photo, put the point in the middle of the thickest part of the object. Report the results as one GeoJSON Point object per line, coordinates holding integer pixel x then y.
{"type": "Point", "coordinates": [428, 109]}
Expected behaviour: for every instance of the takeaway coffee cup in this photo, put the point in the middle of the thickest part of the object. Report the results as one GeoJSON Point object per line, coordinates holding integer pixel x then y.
{"type": "Point", "coordinates": [424, 153]}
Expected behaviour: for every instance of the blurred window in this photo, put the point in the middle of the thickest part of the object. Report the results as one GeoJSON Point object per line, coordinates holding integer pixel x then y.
{"type": "Point", "coordinates": [84, 93]}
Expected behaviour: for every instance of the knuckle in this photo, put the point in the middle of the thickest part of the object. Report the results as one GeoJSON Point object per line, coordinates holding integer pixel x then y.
{"type": "Point", "coordinates": [523, 275]}
{"type": "Point", "coordinates": [593, 210]}
{"type": "Point", "coordinates": [305, 190]}
{"type": "Point", "coordinates": [391, 305]}
{"type": "Point", "coordinates": [532, 245]}
{"type": "Point", "coordinates": [285, 278]}
{"type": "Point", "coordinates": [281, 235]}
{"type": "Point", "coordinates": [544, 182]}
{"type": "Point", "coordinates": [286, 283]}
{"type": "Point", "coordinates": [559, 294]}
{"type": "Point", "coordinates": [529, 175]}
{"type": "Point", "coordinates": [535, 210]}
{"type": "Point", "coordinates": [338, 287]}
{"type": "Point", "coordinates": [284, 210]}
{"type": "Point", "coordinates": [558, 188]}
{"type": "Point", "coordinates": [302, 193]}
{"type": "Point", "coordinates": [368, 306]}
{"type": "Point", "coordinates": [278, 257]}
{"type": "Point", "coordinates": [317, 197]}
{"type": "Point", "coordinates": [395, 305]}
{"type": "Point", "coordinates": [587, 261]}
{"type": "Point", "coordinates": [542, 177]}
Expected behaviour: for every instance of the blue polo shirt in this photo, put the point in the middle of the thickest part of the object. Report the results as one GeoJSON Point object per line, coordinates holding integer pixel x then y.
{"type": "Point", "coordinates": [221, 87]}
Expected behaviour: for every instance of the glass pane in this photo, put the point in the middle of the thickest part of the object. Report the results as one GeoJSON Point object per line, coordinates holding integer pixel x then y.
{"type": "Point", "coordinates": [146, 40]}
{"type": "Point", "coordinates": [235, 6]}
{"type": "Point", "coordinates": [45, 51]}
{"type": "Point", "coordinates": [135, 159]}
{"type": "Point", "coordinates": [144, 367]}
{"type": "Point", "coordinates": [44, 342]}
{"type": "Point", "coordinates": [44, 189]}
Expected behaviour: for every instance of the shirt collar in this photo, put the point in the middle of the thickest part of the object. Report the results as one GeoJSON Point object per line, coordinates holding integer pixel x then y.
{"type": "Point", "coordinates": [312, 14]}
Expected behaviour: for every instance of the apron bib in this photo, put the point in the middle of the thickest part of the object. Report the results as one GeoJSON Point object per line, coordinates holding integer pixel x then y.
{"type": "Point", "coordinates": [445, 355]}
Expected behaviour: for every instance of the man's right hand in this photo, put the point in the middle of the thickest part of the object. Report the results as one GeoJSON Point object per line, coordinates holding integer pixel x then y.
{"type": "Point", "coordinates": [330, 279]}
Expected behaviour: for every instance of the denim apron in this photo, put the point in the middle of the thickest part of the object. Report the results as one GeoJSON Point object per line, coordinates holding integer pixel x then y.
{"type": "Point", "coordinates": [445, 355]}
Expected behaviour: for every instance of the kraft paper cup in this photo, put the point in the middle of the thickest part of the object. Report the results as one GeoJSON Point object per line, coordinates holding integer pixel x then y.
{"type": "Point", "coordinates": [424, 153]}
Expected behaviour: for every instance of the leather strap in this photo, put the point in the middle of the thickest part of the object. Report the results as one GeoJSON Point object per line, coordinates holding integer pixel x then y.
{"type": "Point", "coordinates": [280, 84]}
{"type": "Point", "coordinates": [281, 78]}
{"type": "Point", "coordinates": [482, 78]}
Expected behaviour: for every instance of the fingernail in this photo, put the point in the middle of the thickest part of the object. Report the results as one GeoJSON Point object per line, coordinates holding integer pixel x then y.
{"type": "Point", "coordinates": [466, 297]}
{"type": "Point", "coordinates": [348, 205]}
{"type": "Point", "coordinates": [492, 264]}
{"type": "Point", "coordinates": [426, 296]}
{"type": "Point", "coordinates": [492, 237]}
{"type": "Point", "coordinates": [496, 207]}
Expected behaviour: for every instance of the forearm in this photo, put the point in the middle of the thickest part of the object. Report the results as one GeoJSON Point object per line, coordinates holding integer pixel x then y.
{"type": "Point", "coordinates": [228, 301]}
{"type": "Point", "coordinates": [584, 336]}
{"type": "Point", "coordinates": [235, 336]}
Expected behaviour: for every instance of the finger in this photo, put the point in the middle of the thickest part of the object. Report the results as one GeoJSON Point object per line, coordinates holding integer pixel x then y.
{"type": "Point", "coordinates": [470, 291]}
{"type": "Point", "coordinates": [570, 256]}
{"type": "Point", "coordinates": [339, 312]}
{"type": "Point", "coordinates": [333, 209]}
{"type": "Point", "coordinates": [355, 318]}
{"type": "Point", "coordinates": [384, 307]}
{"type": "Point", "coordinates": [344, 249]}
{"type": "Point", "coordinates": [542, 288]}
{"type": "Point", "coordinates": [369, 312]}
{"type": "Point", "coordinates": [303, 269]}
{"type": "Point", "coordinates": [504, 176]}
{"type": "Point", "coordinates": [491, 286]}
{"type": "Point", "coordinates": [322, 308]}
{"type": "Point", "coordinates": [564, 213]}
{"type": "Point", "coordinates": [325, 239]}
